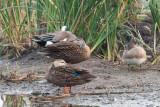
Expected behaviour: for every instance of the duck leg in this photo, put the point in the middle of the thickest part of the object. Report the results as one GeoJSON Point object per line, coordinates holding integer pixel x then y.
{"type": "Point", "coordinates": [65, 89]}
{"type": "Point", "coordinates": [70, 89]}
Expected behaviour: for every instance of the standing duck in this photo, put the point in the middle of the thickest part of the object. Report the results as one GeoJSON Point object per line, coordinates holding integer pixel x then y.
{"type": "Point", "coordinates": [134, 54]}
{"type": "Point", "coordinates": [72, 52]}
{"type": "Point", "coordinates": [64, 75]}
{"type": "Point", "coordinates": [63, 35]}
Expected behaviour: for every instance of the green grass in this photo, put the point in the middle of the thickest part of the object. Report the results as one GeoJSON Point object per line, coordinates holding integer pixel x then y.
{"type": "Point", "coordinates": [155, 11]}
{"type": "Point", "coordinates": [99, 23]}
{"type": "Point", "coordinates": [14, 101]}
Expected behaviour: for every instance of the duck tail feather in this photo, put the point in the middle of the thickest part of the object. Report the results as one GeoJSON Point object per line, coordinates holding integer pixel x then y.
{"type": "Point", "coordinates": [87, 77]}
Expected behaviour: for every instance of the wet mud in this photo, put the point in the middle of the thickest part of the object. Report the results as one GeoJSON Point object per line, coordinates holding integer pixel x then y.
{"type": "Point", "coordinates": [115, 85]}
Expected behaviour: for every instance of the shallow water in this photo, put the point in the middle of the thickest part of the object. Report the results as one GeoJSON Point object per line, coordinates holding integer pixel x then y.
{"type": "Point", "coordinates": [26, 101]}
{"type": "Point", "coordinates": [117, 101]}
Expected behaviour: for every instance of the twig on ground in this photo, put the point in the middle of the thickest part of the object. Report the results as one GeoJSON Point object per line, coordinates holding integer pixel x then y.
{"type": "Point", "coordinates": [52, 97]}
{"type": "Point", "coordinates": [26, 77]}
{"type": "Point", "coordinates": [100, 93]}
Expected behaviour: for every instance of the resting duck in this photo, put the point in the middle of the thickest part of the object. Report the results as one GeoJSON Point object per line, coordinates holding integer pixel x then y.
{"type": "Point", "coordinates": [63, 35]}
{"type": "Point", "coordinates": [64, 75]}
{"type": "Point", "coordinates": [134, 54]}
{"type": "Point", "coordinates": [72, 52]}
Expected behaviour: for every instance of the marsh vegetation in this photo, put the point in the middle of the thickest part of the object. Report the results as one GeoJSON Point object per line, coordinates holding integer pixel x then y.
{"type": "Point", "coordinates": [101, 23]}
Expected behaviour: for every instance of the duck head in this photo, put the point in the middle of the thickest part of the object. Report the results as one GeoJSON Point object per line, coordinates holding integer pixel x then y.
{"type": "Point", "coordinates": [59, 62]}
{"type": "Point", "coordinates": [64, 28]}
{"type": "Point", "coordinates": [131, 44]}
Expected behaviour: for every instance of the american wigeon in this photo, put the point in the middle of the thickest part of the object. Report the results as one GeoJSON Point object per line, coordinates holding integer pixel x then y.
{"type": "Point", "coordinates": [57, 36]}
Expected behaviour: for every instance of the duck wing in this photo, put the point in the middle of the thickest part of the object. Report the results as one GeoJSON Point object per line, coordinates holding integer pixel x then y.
{"type": "Point", "coordinates": [62, 46]}
{"type": "Point", "coordinates": [63, 36]}
{"type": "Point", "coordinates": [42, 39]}
{"type": "Point", "coordinates": [80, 73]}
{"type": "Point", "coordinates": [69, 76]}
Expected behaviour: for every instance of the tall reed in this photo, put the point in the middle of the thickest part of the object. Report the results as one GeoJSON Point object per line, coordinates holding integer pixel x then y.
{"type": "Point", "coordinates": [15, 21]}
{"type": "Point", "coordinates": [98, 22]}
{"type": "Point", "coordinates": [155, 11]}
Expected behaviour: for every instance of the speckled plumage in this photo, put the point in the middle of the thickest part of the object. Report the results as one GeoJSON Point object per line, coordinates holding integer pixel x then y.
{"type": "Point", "coordinates": [72, 52]}
{"type": "Point", "coordinates": [63, 75]}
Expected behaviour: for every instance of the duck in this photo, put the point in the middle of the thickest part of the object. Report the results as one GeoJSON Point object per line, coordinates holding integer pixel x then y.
{"type": "Point", "coordinates": [64, 75]}
{"type": "Point", "coordinates": [134, 54]}
{"type": "Point", "coordinates": [72, 52]}
{"type": "Point", "coordinates": [57, 36]}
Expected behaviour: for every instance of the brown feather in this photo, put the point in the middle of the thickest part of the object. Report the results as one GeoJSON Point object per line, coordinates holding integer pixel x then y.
{"type": "Point", "coordinates": [69, 51]}
{"type": "Point", "coordinates": [136, 52]}
{"type": "Point", "coordinates": [62, 76]}
{"type": "Point", "coordinates": [60, 35]}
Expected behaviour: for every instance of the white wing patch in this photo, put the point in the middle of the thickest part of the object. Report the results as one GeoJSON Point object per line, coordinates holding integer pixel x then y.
{"type": "Point", "coordinates": [65, 39]}
{"type": "Point", "coordinates": [49, 43]}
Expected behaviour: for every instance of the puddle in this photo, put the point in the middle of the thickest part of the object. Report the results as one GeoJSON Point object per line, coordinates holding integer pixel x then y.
{"type": "Point", "coordinates": [39, 101]}
{"type": "Point", "coordinates": [26, 101]}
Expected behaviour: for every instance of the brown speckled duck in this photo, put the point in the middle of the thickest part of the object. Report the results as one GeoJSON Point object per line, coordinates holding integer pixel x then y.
{"type": "Point", "coordinates": [63, 45]}
{"type": "Point", "coordinates": [134, 54]}
{"type": "Point", "coordinates": [63, 35]}
{"type": "Point", "coordinates": [64, 75]}
{"type": "Point", "coordinates": [72, 52]}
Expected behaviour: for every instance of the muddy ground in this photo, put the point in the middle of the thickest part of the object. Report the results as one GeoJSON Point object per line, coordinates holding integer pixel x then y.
{"type": "Point", "coordinates": [120, 86]}
{"type": "Point", "coordinates": [115, 85]}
